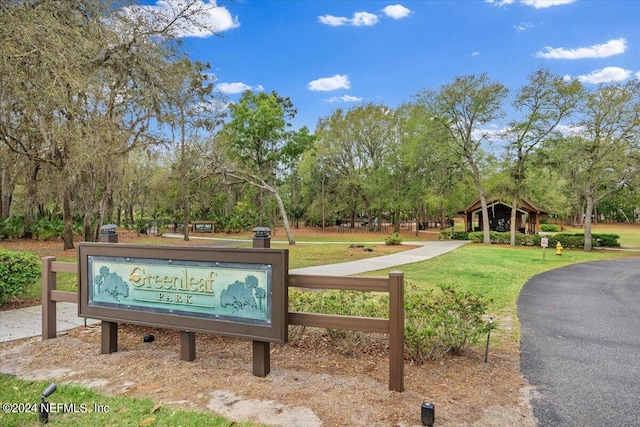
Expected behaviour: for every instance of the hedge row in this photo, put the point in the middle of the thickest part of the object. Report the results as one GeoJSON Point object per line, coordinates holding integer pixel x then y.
{"type": "Point", "coordinates": [18, 271]}
{"type": "Point", "coordinates": [567, 240]}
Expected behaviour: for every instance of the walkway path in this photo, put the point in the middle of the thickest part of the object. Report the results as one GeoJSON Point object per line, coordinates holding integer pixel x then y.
{"type": "Point", "coordinates": [27, 322]}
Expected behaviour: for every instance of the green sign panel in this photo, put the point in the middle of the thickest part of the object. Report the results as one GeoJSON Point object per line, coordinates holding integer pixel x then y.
{"type": "Point", "coordinates": [215, 290]}
{"type": "Point", "coordinates": [234, 292]}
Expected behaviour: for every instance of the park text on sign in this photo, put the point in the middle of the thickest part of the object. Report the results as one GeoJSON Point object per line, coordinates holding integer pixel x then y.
{"type": "Point", "coordinates": [238, 292]}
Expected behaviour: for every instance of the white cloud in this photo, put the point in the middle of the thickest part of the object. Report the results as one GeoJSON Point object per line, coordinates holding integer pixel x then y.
{"type": "Point", "coordinates": [610, 48]}
{"type": "Point", "coordinates": [396, 11]}
{"type": "Point", "coordinates": [523, 26]}
{"type": "Point", "coordinates": [343, 98]}
{"type": "Point", "coordinates": [541, 4]}
{"type": "Point", "coordinates": [325, 84]}
{"type": "Point", "coordinates": [360, 19]}
{"type": "Point", "coordinates": [205, 17]}
{"type": "Point", "coordinates": [365, 19]}
{"type": "Point", "coordinates": [233, 88]}
{"type": "Point", "coordinates": [538, 4]}
{"type": "Point", "coordinates": [605, 75]}
{"type": "Point", "coordinates": [475, 53]}
{"type": "Point", "coordinates": [500, 2]}
{"type": "Point", "coordinates": [334, 21]}
{"type": "Point", "coordinates": [638, 75]}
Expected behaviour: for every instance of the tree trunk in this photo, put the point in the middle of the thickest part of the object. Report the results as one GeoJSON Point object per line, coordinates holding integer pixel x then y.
{"type": "Point", "coordinates": [129, 214]}
{"type": "Point", "coordinates": [67, 235]}
{"type": "Point", "coordinates": [86, 227]}
{"type": "Point", "coordinates": [486, 229]}
{"type": "Point", "coordinates": [185, 178]}
{"type": "Point", "coordinates": [396, 228]}
{"type": "Point", "coordinates": [514, 213]}
{"type": "Point", "coordinates": [285, 219]}
{"type": "Point", "coordinates": [185, 207]}
{"type": "Point", "coordinates": [7, 184]}
{"type": "Point", "coordinates": [587, 224]}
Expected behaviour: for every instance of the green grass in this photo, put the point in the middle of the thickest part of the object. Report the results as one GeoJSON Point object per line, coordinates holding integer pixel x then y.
{"type": "Point", "coordinates": [310, 254]}
{"type": "Point", "coordinates": [88, 408]}
{"type": "Point", "coordinates": [496, 272]}
{"type": "Point", "coordinates": [629, 233]}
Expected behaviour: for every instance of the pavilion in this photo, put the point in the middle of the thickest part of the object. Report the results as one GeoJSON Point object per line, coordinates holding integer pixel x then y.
{"type": "Point", "coordinates": [527, 217]}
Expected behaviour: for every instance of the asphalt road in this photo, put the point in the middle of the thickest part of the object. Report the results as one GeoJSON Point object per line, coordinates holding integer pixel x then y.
{"type": "Point", "coordinates": [580, 344]}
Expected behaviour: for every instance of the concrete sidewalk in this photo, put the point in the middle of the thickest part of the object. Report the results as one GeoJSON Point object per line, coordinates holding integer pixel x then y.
{"type": "Point", "coordinates": [27, 322]}
{"type": "Point", "coordinates": [426, 251]}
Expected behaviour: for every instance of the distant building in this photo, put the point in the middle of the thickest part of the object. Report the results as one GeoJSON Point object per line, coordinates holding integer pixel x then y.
{"type": "Point", "coordinates": [527, 217]}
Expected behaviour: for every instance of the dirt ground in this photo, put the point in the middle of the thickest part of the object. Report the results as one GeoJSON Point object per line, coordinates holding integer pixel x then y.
{"type": "Point", "coordinates": [313, 381]}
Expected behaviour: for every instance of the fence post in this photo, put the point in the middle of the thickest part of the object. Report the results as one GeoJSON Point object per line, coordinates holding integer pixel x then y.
{"type": "Point", "coordinates": [261, 349]}
{"type": "Point", "coordinates": [48, 306]}
{"type": "Point", "coordinates": [396, 331]}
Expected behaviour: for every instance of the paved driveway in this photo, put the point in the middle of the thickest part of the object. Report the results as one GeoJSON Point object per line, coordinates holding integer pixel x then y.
{"type": "Point", "coordinates": [580, 343]}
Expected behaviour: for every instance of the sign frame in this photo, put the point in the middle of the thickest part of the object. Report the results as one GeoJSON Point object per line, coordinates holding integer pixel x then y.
{"type": "Point", "coordinates": [203, 227]}
{"type": "Point", "coordinates": [277, 260]}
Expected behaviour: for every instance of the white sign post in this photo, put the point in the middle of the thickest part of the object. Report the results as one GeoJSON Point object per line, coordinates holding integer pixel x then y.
{"type": "Point", "coordinates": [544, 242]}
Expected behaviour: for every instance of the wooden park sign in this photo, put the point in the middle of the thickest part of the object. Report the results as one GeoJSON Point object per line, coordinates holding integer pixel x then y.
{"type": "Point", "coordinates": [231, 292]}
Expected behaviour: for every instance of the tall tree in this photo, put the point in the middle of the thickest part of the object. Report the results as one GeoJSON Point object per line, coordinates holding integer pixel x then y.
{"type": "Point", "coordinates": [542, 104]}
{"type": "Point", "coordinates": [82, 81]}
{"type": "Point", "coordinates": [259, 145]}
{"type": "Point", "coordinates": [188, 107]}
{"type": "Point", "coordinates": [603, 153]}
{"type": "Point", "coordinates": [462, 108]}
{"type": "Point", "coordinates": [360, 147]}
{"type": "Point", "coordinates": [434, 171]}
{"type": "Point", "coordinates": [336, 155]}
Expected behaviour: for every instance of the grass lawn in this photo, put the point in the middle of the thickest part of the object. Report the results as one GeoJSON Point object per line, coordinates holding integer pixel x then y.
{"type": "Point", "coordinates": [78, 406]}
{"type": "Point", "coordinates": [497, 272]}
{"type": "Point", "coordinates": [629, 233]}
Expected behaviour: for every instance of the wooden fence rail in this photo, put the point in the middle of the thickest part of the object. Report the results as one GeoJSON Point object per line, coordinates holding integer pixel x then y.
{"type": "Point", "coordinates": [393, 326]}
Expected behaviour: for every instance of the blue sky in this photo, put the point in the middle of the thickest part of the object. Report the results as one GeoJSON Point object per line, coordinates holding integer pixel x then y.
{"type": "Point", "coordinates": [328, 54]}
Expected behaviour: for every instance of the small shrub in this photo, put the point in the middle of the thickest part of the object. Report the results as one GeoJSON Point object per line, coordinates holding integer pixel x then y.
{"type": "Point", "coordinates": [18, 270]}
{"type": "Point", "coordinates": [343, 303]}
{"type": "Point", "coordinates": [394, 239]}
{"type": "Point", "coordinates": [456, 235]}
{"type": "Point", "coordinates": [476, 236]}
{"type": "Point", "coordinates": [46, 229]}
{"type": "Point", "coordinates": [460, 235]}
{"type": "Point", "coordinates": [495, 236]}
{"type": "Point", "coordinates": [445, 322]}
{"type": "Point", "coordinates": [606, 240]}
{"type": "Point", "coordinates": [12, 227]}
{"type": "Point", "coordinates": [550, 228]}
